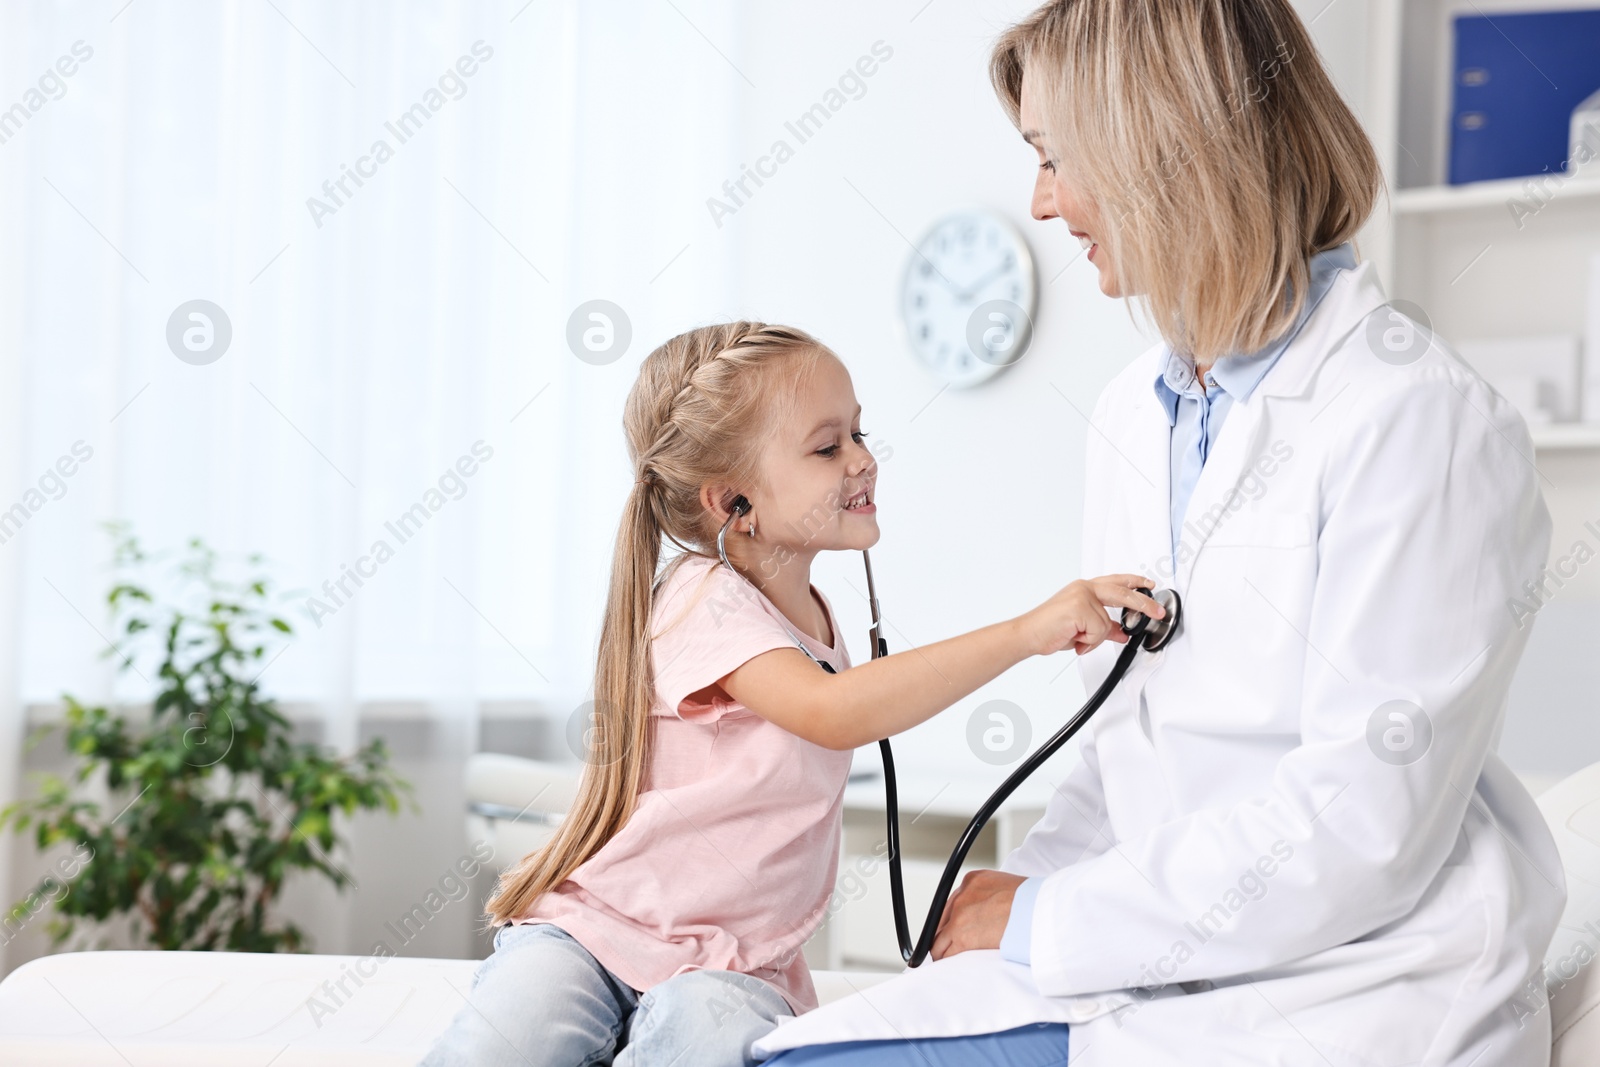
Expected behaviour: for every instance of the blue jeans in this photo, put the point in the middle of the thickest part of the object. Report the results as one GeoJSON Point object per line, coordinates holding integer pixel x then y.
{"type": "Point", "coordinates": [1035, 1045]}
{"type": "Point", "coordinates": [540, 1000]}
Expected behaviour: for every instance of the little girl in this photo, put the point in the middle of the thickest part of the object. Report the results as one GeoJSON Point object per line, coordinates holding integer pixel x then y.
{"type": "Point", "coordinates": [664, 921]}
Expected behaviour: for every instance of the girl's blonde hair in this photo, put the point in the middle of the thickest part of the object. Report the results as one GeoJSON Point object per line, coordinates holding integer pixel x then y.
{"type": "Point", "coordinates": [700, 413]}
{"type": "Point", "coordinates": [1219, 152]}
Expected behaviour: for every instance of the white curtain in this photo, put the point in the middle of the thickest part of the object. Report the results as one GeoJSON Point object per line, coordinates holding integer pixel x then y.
{"type": "Point", "coordinates": [399, 315]}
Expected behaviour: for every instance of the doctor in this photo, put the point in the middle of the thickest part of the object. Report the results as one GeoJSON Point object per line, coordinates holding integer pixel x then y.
{"type": "Point", "coordinates": [1289, 839]}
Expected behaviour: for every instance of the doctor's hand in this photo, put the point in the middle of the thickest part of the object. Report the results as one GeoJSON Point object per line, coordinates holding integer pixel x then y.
{"type": "Point", "coordinates": [977, 913]}
{"type": "Point", "coordinates": [1076, 618]}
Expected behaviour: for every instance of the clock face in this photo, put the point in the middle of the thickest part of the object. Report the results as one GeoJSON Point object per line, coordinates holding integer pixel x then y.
{"type": "Point", "coordinates": [968, 297]}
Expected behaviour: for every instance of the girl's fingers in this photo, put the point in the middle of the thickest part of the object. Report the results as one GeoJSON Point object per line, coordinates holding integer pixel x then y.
{"type": "Point", "coordinates": [1130, 597]}
{"type": "Point", "coordinates": [1089, 643]}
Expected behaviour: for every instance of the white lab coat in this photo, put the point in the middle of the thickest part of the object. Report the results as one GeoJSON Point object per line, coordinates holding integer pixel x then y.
{"type": "Point", "coordinates": [1254, 861]}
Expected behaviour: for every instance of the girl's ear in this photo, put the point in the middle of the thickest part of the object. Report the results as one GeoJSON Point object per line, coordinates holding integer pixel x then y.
{"type": "Point", "coordinates": [717, 500]}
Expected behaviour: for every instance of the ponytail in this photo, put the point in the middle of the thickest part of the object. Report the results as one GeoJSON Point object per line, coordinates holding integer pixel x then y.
{"type": "Point", "coordinates": [618, 746]}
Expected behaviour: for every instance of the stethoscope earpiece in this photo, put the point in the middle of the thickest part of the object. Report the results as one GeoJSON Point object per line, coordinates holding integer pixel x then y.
{"type": "Point", "coordinates": [739, 506]}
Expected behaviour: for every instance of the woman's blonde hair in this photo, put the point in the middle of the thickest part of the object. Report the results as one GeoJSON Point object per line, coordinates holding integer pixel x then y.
{"type": "Point", "coordinates": [1217, 149]}
{"type": "Point", "coordinates": [700, 413]}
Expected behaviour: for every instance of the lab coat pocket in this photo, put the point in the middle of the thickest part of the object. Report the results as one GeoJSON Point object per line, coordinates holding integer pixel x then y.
{"type": "Point", "coordinates": [1267, 562]}
{"type": "Point", "coordinates": [1256, 575]}
{"type": "Point", "coordinates": [1282, 567]}
{"type": "Point", "coordinates": [1263, 530]}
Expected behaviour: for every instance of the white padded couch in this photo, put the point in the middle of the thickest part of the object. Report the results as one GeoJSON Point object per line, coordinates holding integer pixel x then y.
{"type": "Point", "coordinates": [133, 1009]}
{"type": "Point", "coordinates": [229, 1009]}
{"type": "Point", "coordinates": [1572, 966]}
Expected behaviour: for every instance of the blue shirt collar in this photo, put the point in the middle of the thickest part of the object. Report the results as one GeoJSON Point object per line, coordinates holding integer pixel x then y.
{"type": "Point", "coordinates": [1238, 374]}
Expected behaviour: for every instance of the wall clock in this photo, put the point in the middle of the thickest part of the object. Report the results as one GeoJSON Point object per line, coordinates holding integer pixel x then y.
{"type": "Point", "coordinates": [968, 296]}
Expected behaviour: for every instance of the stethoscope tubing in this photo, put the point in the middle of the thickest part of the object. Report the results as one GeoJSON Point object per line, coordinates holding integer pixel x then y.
{"type": "Point", "coordinates": [914, 955]}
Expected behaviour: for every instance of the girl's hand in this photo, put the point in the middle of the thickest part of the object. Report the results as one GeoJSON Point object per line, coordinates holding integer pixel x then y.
{"type": "Point", "coordinates": [1076, 618]}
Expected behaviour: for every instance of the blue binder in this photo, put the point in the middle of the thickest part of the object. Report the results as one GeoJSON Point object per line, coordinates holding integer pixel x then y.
{"type": "Point", "coordinates": [1517, 79]}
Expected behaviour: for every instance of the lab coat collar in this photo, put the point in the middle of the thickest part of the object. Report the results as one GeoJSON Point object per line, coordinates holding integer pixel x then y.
{"type": "Point", "coordinates": [1239, 376]}
{"type": "Point", "coordinates": [1353, 295]}
{"type": "Point", "coordinates": [1238, 373]}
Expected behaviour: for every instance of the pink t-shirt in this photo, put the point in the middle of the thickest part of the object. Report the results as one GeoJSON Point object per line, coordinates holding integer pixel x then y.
{"type": "Point", "coordinates": [729, 859]}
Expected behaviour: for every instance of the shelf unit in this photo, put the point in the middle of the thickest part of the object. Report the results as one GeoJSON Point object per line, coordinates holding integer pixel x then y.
{"type": "Point", "coordinates": [1565, 436]}
{"type": "Point", "coordinates": [1496, 194]}
{"type": "Point", "coordinates": [1480, 270]}
{"type": "Point", "coordinates": [1489, 259]}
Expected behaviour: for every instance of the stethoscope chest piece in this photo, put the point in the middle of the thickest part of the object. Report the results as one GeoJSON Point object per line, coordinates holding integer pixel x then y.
{"type": "Point", "coordinates": [1157, 633]}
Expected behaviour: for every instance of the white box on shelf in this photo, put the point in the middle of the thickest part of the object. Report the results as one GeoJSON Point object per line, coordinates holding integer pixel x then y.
{"type": "Point", "coordinates": [1583, 146]}
{"type": "Point", "coordinates": [1523, 392]}
{"type": "Point", "coordinates": [1591, 346]}
{"type": "Point", "coordinates": [1541, 376]}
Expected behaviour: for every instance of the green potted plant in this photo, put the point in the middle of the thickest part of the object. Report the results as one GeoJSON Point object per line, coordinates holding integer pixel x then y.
{"type": "Point", "coordinates": [213, 802]}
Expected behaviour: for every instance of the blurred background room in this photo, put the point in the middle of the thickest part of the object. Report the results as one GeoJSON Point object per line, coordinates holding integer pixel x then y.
{"type": "Point", "coordinates": [300, 279]}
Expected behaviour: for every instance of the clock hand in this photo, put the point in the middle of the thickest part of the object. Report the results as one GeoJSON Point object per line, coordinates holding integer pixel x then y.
{"type": "Point", "coordinates": [971, 290]}
{"type": "Point", "coordinates": [946, 282]}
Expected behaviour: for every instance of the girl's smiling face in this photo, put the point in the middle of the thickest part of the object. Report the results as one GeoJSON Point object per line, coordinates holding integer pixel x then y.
{"type": "Point", "coordinates": [818, 480]}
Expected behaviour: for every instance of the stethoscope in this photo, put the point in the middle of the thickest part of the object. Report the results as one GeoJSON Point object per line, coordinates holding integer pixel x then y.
{"type": "Point", "coordinates": [1143, 632]}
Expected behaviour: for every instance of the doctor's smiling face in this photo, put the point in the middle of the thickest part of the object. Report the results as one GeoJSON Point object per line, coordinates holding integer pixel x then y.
{"type": "Point", "coordinates": [1054, 198]}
